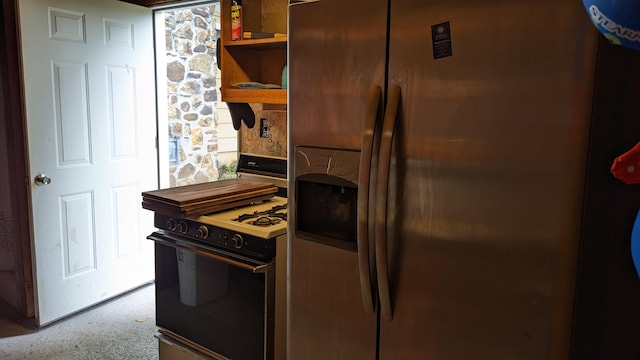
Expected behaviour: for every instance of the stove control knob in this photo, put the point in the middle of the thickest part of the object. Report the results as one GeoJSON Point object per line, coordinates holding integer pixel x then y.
{"type": "Point", "coordinates": [183, 227]}
{"type": "Point", "coordinates": [237, 241]}
{"type": "Point", "coordinates": [172, 224]}
{"type": "Point", "coordinates": [203, 232]}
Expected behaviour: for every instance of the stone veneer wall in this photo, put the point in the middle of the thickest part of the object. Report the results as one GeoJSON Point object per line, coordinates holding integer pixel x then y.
{"type": "Point", "coordinates": [199, 124]}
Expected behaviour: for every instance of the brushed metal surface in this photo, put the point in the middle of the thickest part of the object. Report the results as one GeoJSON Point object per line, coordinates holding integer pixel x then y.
{"type": "Point", "coordinates": [485, 182]}
{"type": "Point", "coordinates": [325, 161]}
{"type": "Point", "coordinates": [336, 55]}
{"type": "Point", "coordinates": [490, 160]}
{"type": "Point", "coordinates": [330, 69]}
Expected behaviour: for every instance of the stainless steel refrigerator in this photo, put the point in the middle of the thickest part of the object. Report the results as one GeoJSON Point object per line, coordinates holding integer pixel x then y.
{"type": "Point", "coordinates": [448, 182]}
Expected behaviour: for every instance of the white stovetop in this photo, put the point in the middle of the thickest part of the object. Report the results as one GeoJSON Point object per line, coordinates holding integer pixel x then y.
{"type": "Point", "coordinates": [225, 219]}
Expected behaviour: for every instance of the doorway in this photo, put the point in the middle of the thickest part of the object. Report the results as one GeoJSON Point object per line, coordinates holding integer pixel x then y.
{"type": "Point", "coordinates": [199, 148]}
{"type": "Point", "coordinates": [194, 125]}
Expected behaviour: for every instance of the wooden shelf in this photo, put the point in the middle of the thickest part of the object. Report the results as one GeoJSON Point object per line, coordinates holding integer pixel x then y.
{"type": "Point", "coordinates": [259, 43]}
{"type": "Point", "coordinates": [264, 96]}
{"type": "Point", "coordinates": [254, 60]}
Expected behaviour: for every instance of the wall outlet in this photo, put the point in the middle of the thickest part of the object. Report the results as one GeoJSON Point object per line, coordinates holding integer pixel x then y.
{"type": "Point", "coordinates": [264, 128]}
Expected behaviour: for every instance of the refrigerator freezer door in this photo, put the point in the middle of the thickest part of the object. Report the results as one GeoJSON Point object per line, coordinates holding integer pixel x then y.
{"type": "Point", "coordinates": [483, 219]}
{"type": "Point", "coordinates": [336, 57]}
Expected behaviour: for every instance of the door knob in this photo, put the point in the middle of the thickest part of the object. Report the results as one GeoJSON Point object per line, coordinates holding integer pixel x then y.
{"type": "Point", "coordinates": [42, 179]}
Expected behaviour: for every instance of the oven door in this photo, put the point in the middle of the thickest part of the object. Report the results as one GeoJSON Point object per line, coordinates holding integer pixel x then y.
{"type": "Point", "coordinates": [220, 301]}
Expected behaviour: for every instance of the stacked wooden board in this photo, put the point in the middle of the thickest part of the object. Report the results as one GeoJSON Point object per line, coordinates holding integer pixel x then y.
{"type": "Point", "coordinates": [205, 198]}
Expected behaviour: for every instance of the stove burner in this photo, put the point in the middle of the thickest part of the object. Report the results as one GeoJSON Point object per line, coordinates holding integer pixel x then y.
{"type": "Point", "coordinates": [265, 218]}
{"type": "Point", "coordinates": [266, 221]}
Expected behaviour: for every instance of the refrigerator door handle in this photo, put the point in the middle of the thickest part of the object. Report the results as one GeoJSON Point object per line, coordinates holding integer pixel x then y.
{"type": "Point", "coordinates": [384, 163]}
{"type": "Point", "coordinates": [364, 178]}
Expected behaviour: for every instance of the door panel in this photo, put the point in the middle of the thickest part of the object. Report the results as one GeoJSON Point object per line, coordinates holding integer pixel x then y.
{"type": "Point", "coordinates": [78, 246]}
{"type": "Point", "coordinates": [485, 210]}
{"type": "Point", "coordinates": [90, 109]}
{"type": "Point", "coordinates": [326, 315]}
{"type": "Point", "coordinates": [335, 58]}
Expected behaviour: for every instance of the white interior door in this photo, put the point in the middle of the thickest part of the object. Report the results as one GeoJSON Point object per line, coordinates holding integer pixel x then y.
{"type": "Point", "coordinates": [90, 107]}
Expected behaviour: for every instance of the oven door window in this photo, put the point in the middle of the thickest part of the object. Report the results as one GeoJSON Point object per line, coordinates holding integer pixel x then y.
{"type": "Point", "coordinates": [216, 302]}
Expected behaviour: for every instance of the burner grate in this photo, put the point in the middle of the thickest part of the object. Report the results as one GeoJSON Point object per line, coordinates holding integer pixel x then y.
{"type": "Point", "coordinates": [265, 218]}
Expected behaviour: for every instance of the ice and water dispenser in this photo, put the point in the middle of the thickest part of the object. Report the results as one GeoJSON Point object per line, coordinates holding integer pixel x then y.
{"type": "Point", "coordinates": [326, 195]}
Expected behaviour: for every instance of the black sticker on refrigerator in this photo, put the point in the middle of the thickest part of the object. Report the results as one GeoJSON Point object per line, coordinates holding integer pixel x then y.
{"type": "Point", "coordinates": [441, 40]}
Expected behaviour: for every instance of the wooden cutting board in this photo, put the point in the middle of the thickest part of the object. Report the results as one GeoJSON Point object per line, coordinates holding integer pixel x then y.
{"type": "Point", "coordinates": [204, 198]}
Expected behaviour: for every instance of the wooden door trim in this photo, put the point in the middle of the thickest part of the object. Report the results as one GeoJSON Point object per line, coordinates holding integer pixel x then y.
{"type": "Point", "coordinates": [13, 112]}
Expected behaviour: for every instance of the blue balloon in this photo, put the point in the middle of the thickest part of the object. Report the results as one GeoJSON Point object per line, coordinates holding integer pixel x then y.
{"type": "Point", "coordinates": [617, 20]}
{"type": "Point", "coordinates": [635, 243]}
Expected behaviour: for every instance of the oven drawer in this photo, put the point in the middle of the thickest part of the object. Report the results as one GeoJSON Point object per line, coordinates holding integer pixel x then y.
{"type": "Point", "coordinates": [169, 349]}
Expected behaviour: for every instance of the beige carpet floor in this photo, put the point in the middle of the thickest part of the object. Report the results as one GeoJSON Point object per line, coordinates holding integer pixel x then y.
{"type": "Point", "coordinates": [119, 329]}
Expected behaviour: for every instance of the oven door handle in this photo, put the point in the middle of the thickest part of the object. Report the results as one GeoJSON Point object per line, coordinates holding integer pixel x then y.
{"type": "Point", "coordinates": [211, 253]}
